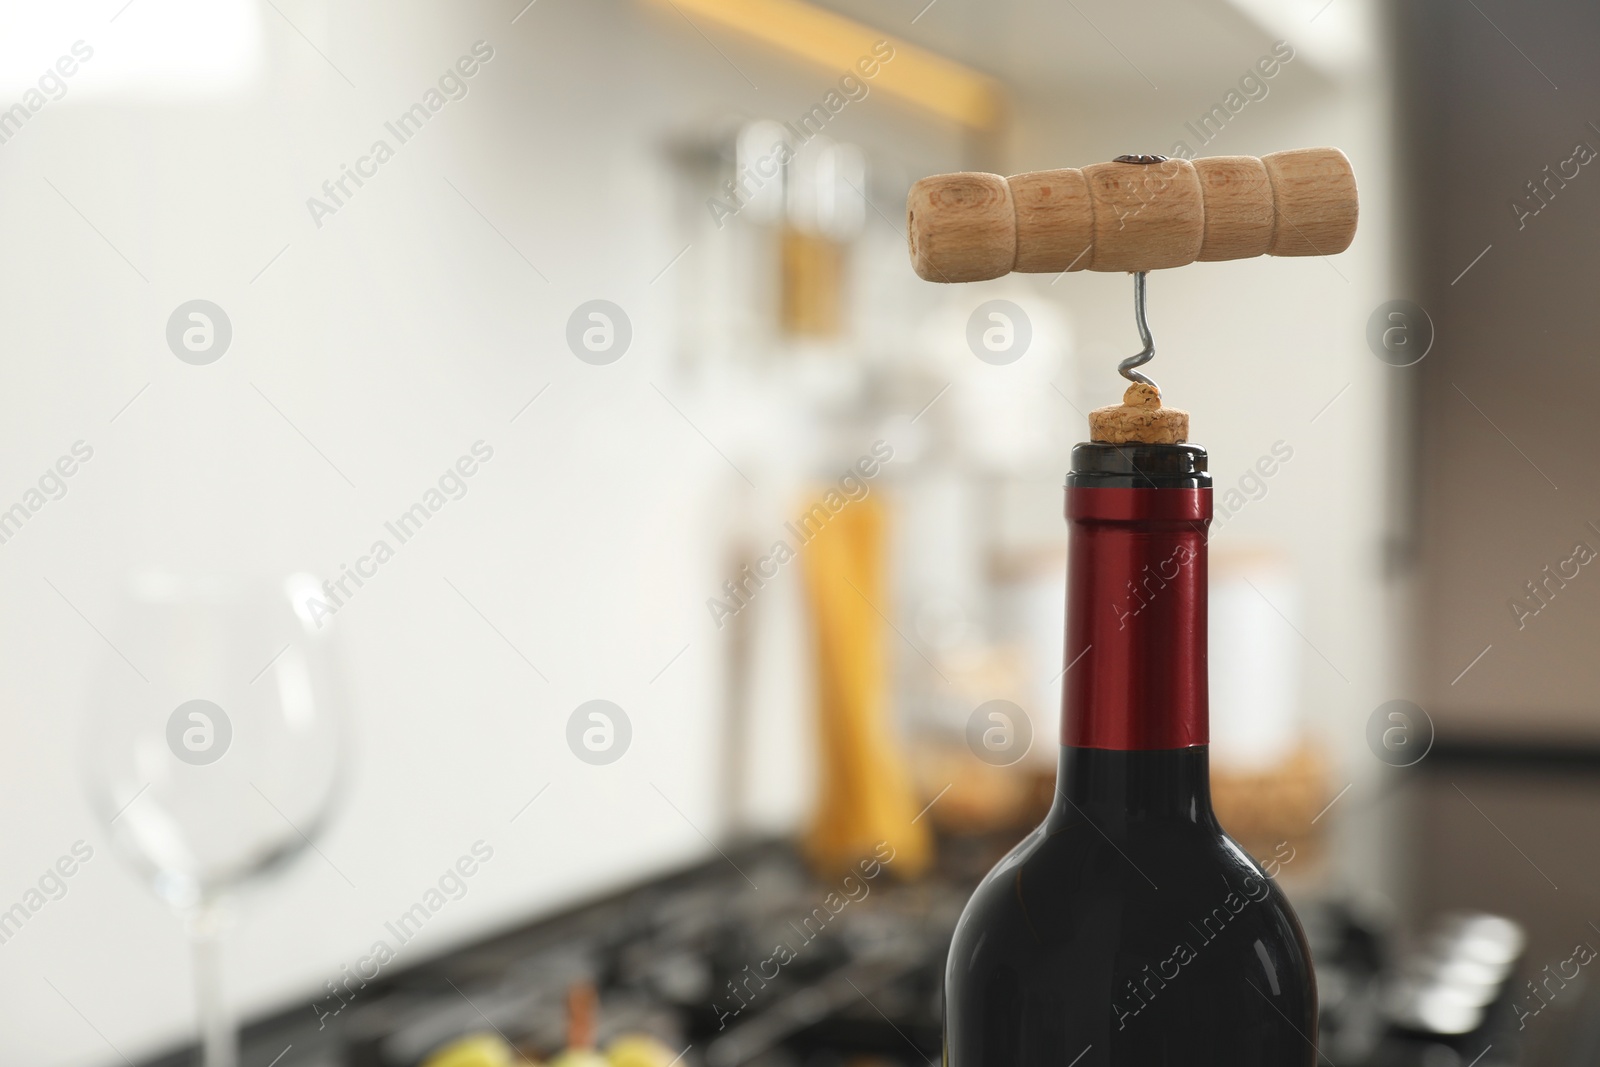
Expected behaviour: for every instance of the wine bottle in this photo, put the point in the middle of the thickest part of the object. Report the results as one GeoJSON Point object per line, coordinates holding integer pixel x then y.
{"type": "Point", "coordinates": [1128, 930]}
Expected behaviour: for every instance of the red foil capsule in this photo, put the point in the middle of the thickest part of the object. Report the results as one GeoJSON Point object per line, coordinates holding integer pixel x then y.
{"type": "Point", "coordinates": [1136, 618]}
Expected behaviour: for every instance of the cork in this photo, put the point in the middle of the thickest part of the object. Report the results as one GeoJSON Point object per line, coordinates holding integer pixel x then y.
{"type": "Point", "coordinates": [1139, 418]}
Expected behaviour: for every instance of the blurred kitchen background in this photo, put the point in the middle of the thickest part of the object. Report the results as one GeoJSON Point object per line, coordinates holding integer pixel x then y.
{"type": "Point", "coordinates": [580, 269]}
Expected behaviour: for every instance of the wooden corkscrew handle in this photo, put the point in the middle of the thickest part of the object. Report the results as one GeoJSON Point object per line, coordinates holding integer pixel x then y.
{"type": "Point", "coordinates": [1136, 213]}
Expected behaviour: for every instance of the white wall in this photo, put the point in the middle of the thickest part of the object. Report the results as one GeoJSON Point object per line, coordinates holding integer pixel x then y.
{"type": "Point", "coordinates": [405, 329]}
{"type": "Point", "coordinates": [394, 337]}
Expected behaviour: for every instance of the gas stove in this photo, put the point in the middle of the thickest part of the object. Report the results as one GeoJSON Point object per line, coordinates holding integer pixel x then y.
{"type": "Point", "coordinates": [800, 972]}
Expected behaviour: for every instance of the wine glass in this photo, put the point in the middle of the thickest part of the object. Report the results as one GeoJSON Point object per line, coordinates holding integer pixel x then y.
{"type": "Point", "coordinates": [215, 748]}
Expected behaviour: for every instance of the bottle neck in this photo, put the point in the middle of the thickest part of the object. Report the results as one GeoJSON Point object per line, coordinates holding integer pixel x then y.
{"type": "Point", "coordinates": [1136, 614]}
{"type": "Point", "coordinates": [1112, 787]}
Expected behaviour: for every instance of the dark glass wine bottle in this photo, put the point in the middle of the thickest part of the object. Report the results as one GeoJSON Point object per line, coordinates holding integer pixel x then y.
{"type": "Point", "coordinates": [1128, 930]}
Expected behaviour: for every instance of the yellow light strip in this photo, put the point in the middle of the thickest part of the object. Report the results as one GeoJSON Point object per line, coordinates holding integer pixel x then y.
{"type": "Point", "coordinates": [924, 78]}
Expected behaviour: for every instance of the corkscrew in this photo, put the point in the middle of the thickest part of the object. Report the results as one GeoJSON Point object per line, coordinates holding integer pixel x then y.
{"type": "Point", "coordinates": [1136, 213]}
{"type": "Point", "coordinates": [1127, 367]}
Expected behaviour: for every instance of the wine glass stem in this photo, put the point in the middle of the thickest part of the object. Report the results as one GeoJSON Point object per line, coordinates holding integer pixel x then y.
{"type": "Point", "coordinates": [217, 1038]}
